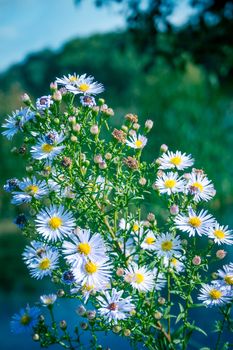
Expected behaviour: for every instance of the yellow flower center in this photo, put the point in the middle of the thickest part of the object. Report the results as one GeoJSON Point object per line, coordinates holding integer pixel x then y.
{"type": "Point", "coordinates": [25, 319]}
{"type": "Point", "coordinates": [55, 222]}
{"type": "Point", "coordinates": [46, 148]}
{"type": "Point", "coordinates": [229, 279]}
{"type": "Point", "coordinates": [174, 261]}
{"type": "Point", "coordinates": [195, 221]}
{"type": "Point", "coordinates": [149, 240]}
{"type": "Point", "coordinates": [215, 294]}
{"type": "Point", "coordinates": [139, 278]}
{"type": "Point", "coordinates": [176, 160]}
{"type": "Point", "coordinates": [135, 227]}
{"type": "Point", "coordinates": [84, 87]}
{"type": "Point", "coordinates": [166, 245]}
{"type": "Point", "coordinates": [138, 143]}
{"type": "Point", "coordinates": [44, 264]}
{"type": "Point", "coordinates": [219, 234]}
{"type": "Point", "coordinates": [84, 248]}
{"type": "Point", "coordinates": [33, 189]}
{"type": "Point", "coordinates": [87, 287]}
{"type": "Point", "coordinates": [198, 185]}
{"type": "Point", "coordinates": [170, 183]}
{"type": "Point", "coordinates": [91, 267]}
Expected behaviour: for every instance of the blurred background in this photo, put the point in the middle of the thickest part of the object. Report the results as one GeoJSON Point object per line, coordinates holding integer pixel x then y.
{"type": "Point", "coordinates": [170, 61]}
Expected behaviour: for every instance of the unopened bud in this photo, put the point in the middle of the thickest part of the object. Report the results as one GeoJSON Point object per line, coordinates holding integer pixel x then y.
{"type": "Point", "coordinates": [116, 329]}
{"type": "Point", "coordinates": [196, 260]}
{"type": "Point", "coordinates": [136, 126]}
{"type": "Point", "coordinates": [103, 165]}
{"type": "Point", "coordinates": [142, 181]}
{"type": "Point", "coordinates": [161, 300]}
{"type": "Point", "coordinates": [81, 310]}
{"type": "Point", "coordinates": [163, 148]}
{"type": "Point", "coordinates": [108, 156]}
{"type": "Point", "coordinates": [73, 138]}
{"type": "Point", "coordinates": [214, 275]}
{"type": "Point", "coordinates": [84, 325]}
{"type": "Point", "coordinates": [57, 96]}
{"type": "Point", "coordinates": [120, 272]}
{"type": "Point", "coordinates": [94, 130]}
{"type": "Point", "coordinates": [149, 124]}
{"type": "Point", "coordinates": [158, 315]}
{"type": "Point", "coordinates": [72, 119]}
{"type": "Point", "coordinates": [151, 217]}
{"type": "Point", "coordinates": [25, 98]}
{"type": "Point", "coordinates": [125, 128]}
{"type": "Point", "coordinates": [101, 101]}
{"type": "Point", "coordinates": [76, 127]}
{"type": "Point", "coordinates": [63, 324]}
{"type": "Point", "coordinates": [53, 86]}
{"type": "Point", "coordinates": [220, 254]}
{"type": "Point", "coordinates": [98, 159]}
{"type": "Point", "coordinates": [174, 209]}
{"type": "Point", "coordinates": [127, 332]}
{"type": "Point", "coordinates": [56, 120]}
{"type": "Point", "coordinates": [36, 337]}
{"type": "Point", "coordinates": [60, 293]}
{"type": "Point", "coordinates": [91, 314]}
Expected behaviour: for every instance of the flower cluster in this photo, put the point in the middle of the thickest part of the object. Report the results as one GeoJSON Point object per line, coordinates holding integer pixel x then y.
{"type": "Point", "coordinates": [90, 233]}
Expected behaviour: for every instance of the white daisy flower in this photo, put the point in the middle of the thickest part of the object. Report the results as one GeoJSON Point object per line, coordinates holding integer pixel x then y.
{"type": "Point", "coordinates": [94, 273]}
{"type": "Point", "coordinates": [54, 223]}
{"type": "Point", "coordinates": [83, 245]}
{"type": "Point", "coordinates": [148, 242]}
{"type": "Point", "coordinates": [43, 102]}
{"type": "Point", "coordinates": [214, 294]}
{"type": "Point", "coordinates": [137, 142]}
{"type": "Point", "coordinates": [45, 149]}
{"type": "Point", "coordinates": [200, 187]}
{"type": "Point", "coordinates": [194, 222]}
{"type": "Point", "coordinates": [44, 265]}
{"type": "Point", "coordinates": [169, 183]}
{"type": "Point", "coordinates": [35, 251]}
{"type": "Point", "coordinates": [220, 234]}
{"type": "Point", "coordinates": [86, 85]}
{"type": "Point", "coordinates": [113, 307]}
{"type": "Point", "coordinates": [47, 300]}
{"type": "Point", "coordinates": [88, 289]}
{"type": "Point", "coordinates": [71, 79]}
{"type": "Point", "coordinates": [176, 263]}
{"type": "Point", "coordinates": [227, 275]}
{"type": "Point", "coordinates": [16, 122]}
{"type": "Point", "coordinates": [171, 160]}
{"type": "Point", "coordinates": [31, 188]}
{"type": "Point", "coordinates": [140, 278]}
{"type": "Point", "coordinates": [166, 245]}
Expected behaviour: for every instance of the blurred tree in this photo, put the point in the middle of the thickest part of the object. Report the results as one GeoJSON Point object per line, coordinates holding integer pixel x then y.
{"type": "Point", "coordinates": [206, 36]}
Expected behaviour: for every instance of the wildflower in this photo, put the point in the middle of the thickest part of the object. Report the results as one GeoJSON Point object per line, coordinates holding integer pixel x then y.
{"type": "Point", "coordinates": [171, 160]}
{"type": "Point", "coordinates": [200, 187]}
{"type": "Point", "coordinates": [175, 262]}
{"type": "Point", "coordinates": [66, 162]}
{"type": "Point", "coordinates": [131, 117]}
{"type": "Point", "coordinates": [47, 146]}
{"type": "Point", "coordinates": [47, 300]}
{"type": "Point", "coordinates": [140, 278]}
{"type": "Point", "coordinates": [220, 234]}
{"type": "Point", "coordinates": [87, 101]}
{"type": "Point", "coordinates": [44, 102]}
{"type": "Point", "coordinates": [54, 223]}
{"type": "Point", "coordinates": [119, 135]}
{"type": "Point", "coordinates": [194, 222]}
{"type": "Point", "coordinates": [149, 241]}
{"type": "Point", "coordinates": [137, 142]}
{"type": "Point", "coordinates": [35, 251]}
{"type": "Point", "coordinates": [226, 274]}
{"type": "Point", "coordinates": [91, 272]}
{"type": "Point", "coordinates": [44, 264]}
{"type": "Point", "coordinates": [25, 320]}
{"type": "Point", "coordinates": [31, 188]}
{"type": "Point", "coordinates": [83, 245]}
{"type": "Point", "coordinates": [167, 245]}
{"type": "Point", "coordinates": [85, 85]}
{"type": "Point", "coordinates": [72, 79]}
{"type": "Point", "coordinates": [169, 183]}
{"type": "Point", "coordinates": [16, 122]}
{"type": "Point", "coordinates": [113, 306]}
{"type": "Point", "coordinates": [214, 294]}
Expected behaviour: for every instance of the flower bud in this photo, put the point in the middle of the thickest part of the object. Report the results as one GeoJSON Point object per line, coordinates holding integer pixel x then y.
{"type": "Point", "coordinates": [196, 260]}
{"type": "Point", "coordinates": [94, 130]}
{"type": "Point", "coordinates": [125, 128]}
{"type": "Point", "coordinates": [184, 242]}
{"type": "Point", "coordinates": [76, 127]}
{"type": "Point", "coordinates": [73, 138]}
{"type": "Point", "coordinates": [53, 86]}
{"type": "Point", "coordinates": [174, 209]}
{"type": "Point", "coordinates": [81, 310]}
{"type": "Point", "coordinates": [36, 337]}
{"type": "Point", "coordinates": [142, 181]}
{"type": "Point", "coordinates": [214, 275]}
{"type": "Point", "coordinates": [154, 186]}
{"type": "Point", "coordinates": [101, 101]}
{"type": "Point", "coordinates": [163, 148]}
{"type": "Point", "coordinates": [127, 332]}
{"type": "Point", "coordinates": [160, 173]}
{"type": "Point", "coordinates": [149, 125]}
{"type": "Point", "coordinates": [98, 159]}
{"type": "Point", "coordinates": [120, 272]}
{"type": "Point", "coordinates": [25, 98]}
{"type": "Point", "coordinates": [131, 117]}
{"type": "Point", "coordinates": [91, 314]}
{"type": "Point", "coordinates": [103, 165]}
{"type": "Point", "coordinates": [41, 318]}
{"type": "Point", "coordinates": [116, 329]}
{"type": "Point", "coordinates": [187, 176]}
{"type": "Point", "coordinates": [108, 156]}
{"type": "Point", "coordinates": [151, 217]}
{"type": "Point", "coordinates": [158, 315]}
{"type": "Point", "coordinates": [66, 162]}
{"type": "Point", "coordinates": [220, 254]}
{"type": "Point", "coordinates": [57, 96]}
{"type": "Point", "coordinates": [56, 120]}
{"type": "Point", "coordinates": [63, 325]}
{"type": "Point", "coordinates": [146, 223]}
{"type": "Point", "coordinates": [29, 169]}
{"type": "Point", "coordinates": [161, 300]}
{"type": "Point", "coordinates": [84, 325]}
{"type": "Point", "coordinates": [136, 126]}
{"type": "Point", "coordinates": [72, 119]}
{"type": "Point", "coordinates": [60, 293]}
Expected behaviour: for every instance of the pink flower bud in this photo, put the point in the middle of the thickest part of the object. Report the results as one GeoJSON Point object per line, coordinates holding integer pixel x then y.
{"type": "Point", "coordinates": [163, 148]}
{"type": "Point", "coordinates": [149, 124]}
{"type": "Point", "coordinates": [220, 254]}
{"type": "Point", "coordinates": [53, 86]}
{"type": "Point", "coordinates": [25, 98]}
{"type": "Point", "coordinates": [98, 159]}
{"type": "Point", "coordinates": [57, 96]}
{"type": "Point", "coordinates": [94, 130]}
{"type": "Point", "coordinates": [142, 181]}
{"type": "Point", "coordinates": [196, 260]}
{"type": "Point", "coordinates": [174, 209]}
{"type": "Point", "coordinates": [76, 127]}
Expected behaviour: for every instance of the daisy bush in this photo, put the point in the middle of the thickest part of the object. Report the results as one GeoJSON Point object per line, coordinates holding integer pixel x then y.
{"type": "Point", "coordinates": [128, 271]}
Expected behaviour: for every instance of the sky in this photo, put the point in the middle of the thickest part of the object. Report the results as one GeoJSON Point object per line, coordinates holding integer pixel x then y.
{"type": "Point", "coordinates": [27, 26]}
